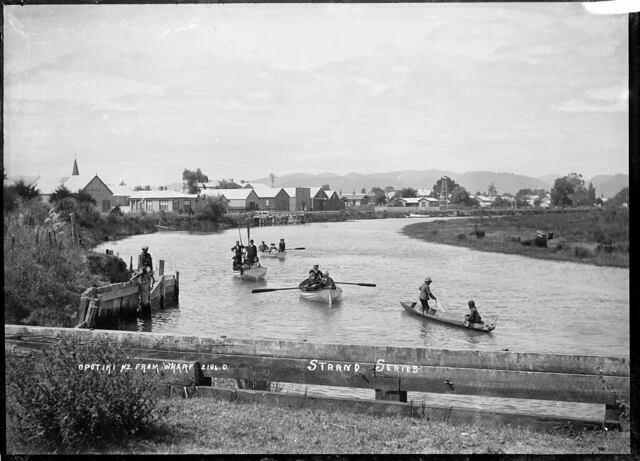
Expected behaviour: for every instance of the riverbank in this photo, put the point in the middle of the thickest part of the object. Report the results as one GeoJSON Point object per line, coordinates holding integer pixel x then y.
{"type": "Point", "coordinates": [598, 237]}
{"type": "Point", "coordinates": [204, 425]}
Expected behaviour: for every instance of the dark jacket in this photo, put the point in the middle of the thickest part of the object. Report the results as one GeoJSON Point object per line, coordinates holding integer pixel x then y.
{"type": "Point", "coordinates": [473, 316]}
{"type": "Point", "coordinates": [282, 246]}
{"type": "Point", "coordinates": [252, 253]}
{"type": "Point", "coordinates": [145, 260]}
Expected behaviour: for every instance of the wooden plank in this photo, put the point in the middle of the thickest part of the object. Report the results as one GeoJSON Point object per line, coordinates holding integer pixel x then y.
{"type": "Point", "coordinates": [515, 361]}
{"type": "Point", "coordinates": [119, 293]}
{"type": "Point", "coordinates": [456, 415]}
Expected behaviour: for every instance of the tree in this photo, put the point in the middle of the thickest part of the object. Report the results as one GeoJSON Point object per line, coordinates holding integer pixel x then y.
{"type": "Point", "coordinates": [210, 208]}
{"type": "Point", "coordinates": [569, 191]}
{"type": "Point", "coordinates": [193, 178]}
{"type": "Point", "coordinates": [326, 187]}
{"type": "Point", "coordinates": [437, 187]}
{"type": "Point", "coordinates": [492, 191]}
{"type": "Point", "coordinates": [60, 194]}
{"type": "Point", "coordinates": [591, 195]}
{"type": "Point", "coordinates": [499, 202]}
{"type": "Point", "coordinates": [380, 196]}
{"type": "Point", "coordinates": [224, 184]}
{"type": "Point", "coordinates": [621, 197]}
{"type": "Point", "coordinates": [460, 196]}
{"type": "Point", "coordinates": [25, 190]}
{"type": "Point", "coordinates": [408, 192]}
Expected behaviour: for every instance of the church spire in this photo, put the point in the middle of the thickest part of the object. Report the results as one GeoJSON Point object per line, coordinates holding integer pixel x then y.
{"type": "Point", "coordinates": [75, 168]}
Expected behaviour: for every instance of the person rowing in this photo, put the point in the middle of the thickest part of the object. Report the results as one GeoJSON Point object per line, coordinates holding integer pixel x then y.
{"type": "Point", "coordinates": [263, 247]}
{"type": "Point", "coordinates": [311, 283]}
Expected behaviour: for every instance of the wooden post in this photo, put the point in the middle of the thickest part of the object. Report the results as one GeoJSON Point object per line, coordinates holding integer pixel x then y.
{"type": "Point", "coordinates": [145, 295]}
{"type": "Point", "coordinates": [83, 308]}
{"type": "Point", "coordinates": [176, 286]}
{"type": "Point", "coordinates": [161, 268]}
{"type": "Point", "coordinates": [163, 289]}
{"type": "Point", "coordinates": [37, 236]}
{"type": "Point", "coordinates": [131, 264]}
{"type": "Point", "coordinates": [92, 315]}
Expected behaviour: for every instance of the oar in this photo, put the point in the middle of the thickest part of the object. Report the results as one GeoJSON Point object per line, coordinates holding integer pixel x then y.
{"type": "Point", "coordinates": [440, 306]}
{"type": "Point", "coordinates": [359, 284]}
{"type": "Point", "coordinates": [265, 290]}
{"type": "Point", "coordinates": [301, 248]}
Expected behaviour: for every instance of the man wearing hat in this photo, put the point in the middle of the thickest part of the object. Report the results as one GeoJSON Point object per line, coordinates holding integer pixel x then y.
{"type": "Point", "coordinates": [282, 247]}
{"type": "Point", "coordinates": [145, 263]}
{"type": "Point", "coordinates": [425, 294]}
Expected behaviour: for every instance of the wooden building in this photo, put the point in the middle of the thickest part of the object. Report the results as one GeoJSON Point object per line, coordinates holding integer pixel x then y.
{"type": "Point", "coordinates": [333, 202]}
{"type": "Point", "coordinates": [162, 200]}
{"type": "Point", "coordinates": [299, 198]}
{"type": "Point", "coordinates": [92, 185]}
{"type": "Point", "coordinates": [318, 198]}
{"type": "Point", "coordinates": [236, 199]}
{"type": "Point", "coordinates": [271, 198]}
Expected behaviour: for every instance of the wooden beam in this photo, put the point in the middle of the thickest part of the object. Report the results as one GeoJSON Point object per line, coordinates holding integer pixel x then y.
{"type": "Point", "coordinates": [513, 361]}
{"type": "Point", "coordinates": [121, 293]}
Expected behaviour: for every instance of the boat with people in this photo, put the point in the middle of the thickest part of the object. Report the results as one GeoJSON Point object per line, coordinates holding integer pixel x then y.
{"type": "Point", "coordinates": [274, 254]}
{"type": "Point", "coordinates": [323, 295]}
{"type": "Point", "coordinates": [255, 273]}
{"type": "Point", "coordinates": [447, 318]}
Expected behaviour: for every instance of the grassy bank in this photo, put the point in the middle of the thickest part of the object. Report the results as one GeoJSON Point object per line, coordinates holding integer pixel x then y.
{"type": "Point", "coordinates": [599, 237]}
{"type": "Point", "coordinates": [208, 426]}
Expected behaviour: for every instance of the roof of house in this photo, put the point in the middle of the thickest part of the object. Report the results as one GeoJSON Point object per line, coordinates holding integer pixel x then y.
{"type": "Point", "coordinates": [354, 196]}
{"type": "Point", "coordinates": [28, 180]}
{"type": "Point", "coordinates": [160, 195]}
{"type": "Point", "coordinates": [291, 191]}
{"type": "Point", "coordinates": [229, 194]}
{"type": "Point", "coordinates": [330, 193]}
{"type": "Point", "coordinates": [267, 192]}
{"type": "Point", "coordinates": [48, 185]}
{"type": "Point", "coordinates": [120, 191]}
{"type": "Point", "coordinates": [316, 190]}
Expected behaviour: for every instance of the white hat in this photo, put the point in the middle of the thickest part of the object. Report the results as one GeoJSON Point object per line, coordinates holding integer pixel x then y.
{"type": "Point", "coordinates": [428, 279]}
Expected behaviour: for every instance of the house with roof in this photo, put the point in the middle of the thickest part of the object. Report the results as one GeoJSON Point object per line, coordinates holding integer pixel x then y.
{"type": "Point", "coordinates": [420, 202]}
{"type": "Point", "coordinates": [271, 198]}
{"type": "Point", "coordinates": [356, 199]}
{"type": "Point", "coordinates": [92, 185]}
{"type": "Point", "coordinates": [236, 199]}
{"type": "Point", "coordinates": [484, 200]}
{"type": "Point", "coordinates": [333, 202]}
{"type": "Point", "coordinates": [121, 195]}
{"type": "Point", "coordinates": [299, 198]}
{"type": "Point", "coordinates": [318, 198]}
{"type": "Point", "coordinates": [162, 200]}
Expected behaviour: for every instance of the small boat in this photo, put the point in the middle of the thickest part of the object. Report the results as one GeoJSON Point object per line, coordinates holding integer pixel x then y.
{"type": "Point", "coordinates": [447, 318]}
{"type": "Point", "coordinates": [255, 273]}
{"type": "Point", "coordinates": [280, 254]}
{"type": "Point", "coordinates": [416, 215]}
{"type": "Point", "coordinates": [324, 295]}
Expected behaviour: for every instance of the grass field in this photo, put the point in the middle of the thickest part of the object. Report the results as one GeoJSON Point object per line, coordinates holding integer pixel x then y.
{"type": "Point", "coordinates": [203, 425]}
{"type": "Point", "coordinates": [599, 237]}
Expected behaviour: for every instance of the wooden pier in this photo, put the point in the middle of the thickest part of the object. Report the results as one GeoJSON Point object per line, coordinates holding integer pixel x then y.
{"type": "Point", "coordinates": [537, 391]}
{"type": "Point", "coordinates": [101, 306]}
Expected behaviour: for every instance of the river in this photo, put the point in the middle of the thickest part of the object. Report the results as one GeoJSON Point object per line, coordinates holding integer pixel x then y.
{"type": "Point", "coordinates": [541, 306]}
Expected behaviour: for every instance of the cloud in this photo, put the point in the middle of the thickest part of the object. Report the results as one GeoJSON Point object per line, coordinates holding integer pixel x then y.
{"type": "Point", "coordinates": [612, 99]}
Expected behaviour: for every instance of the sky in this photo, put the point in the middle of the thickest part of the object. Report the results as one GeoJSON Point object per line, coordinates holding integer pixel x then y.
{"type": "Point", "coordinates": [138, 93]}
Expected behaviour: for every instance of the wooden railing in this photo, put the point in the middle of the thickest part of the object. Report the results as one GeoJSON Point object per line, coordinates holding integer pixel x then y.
{"type": "Point", "coordinates": [523, 379]}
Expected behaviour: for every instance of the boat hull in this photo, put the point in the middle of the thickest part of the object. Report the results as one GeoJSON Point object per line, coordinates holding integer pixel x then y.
{"type": "Point", "coordinates": [255, 274]}
{"type": "Point", "coordinates": [326, 295]}
{"type": "Point", "coordinates": [448, 319]}
{"type": "Point", "coordinates": [280, 255]}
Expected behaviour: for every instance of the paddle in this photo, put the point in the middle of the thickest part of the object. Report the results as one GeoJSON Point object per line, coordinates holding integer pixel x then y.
{"type": "Point", "coordinates": [265, 290]}
{"type": "Point", "coordinates": [301, 248]}
{"type": "Point", "coordinates": [359, 284]}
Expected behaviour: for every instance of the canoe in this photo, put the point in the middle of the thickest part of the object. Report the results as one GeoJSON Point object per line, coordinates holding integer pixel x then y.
{"type": "Point", "coordinates": [324, 295]}
{"type": "Point", "coordinates": [256, 273]}
{"type": "Point", "coordinates": [280, 254]}
{"type": "Point", "coordinates": [450, 319]}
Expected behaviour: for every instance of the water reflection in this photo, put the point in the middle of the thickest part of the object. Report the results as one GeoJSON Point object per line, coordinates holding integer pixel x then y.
{"type": "Point", "coordinates": [543, 306]}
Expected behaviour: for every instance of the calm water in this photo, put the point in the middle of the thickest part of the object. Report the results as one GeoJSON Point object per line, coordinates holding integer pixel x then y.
{"type": "Point", "coordinates": [542, 306]}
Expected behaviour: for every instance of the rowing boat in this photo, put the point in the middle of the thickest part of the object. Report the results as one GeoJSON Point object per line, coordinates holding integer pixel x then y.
{"type": "Point", "coordinates": [276, 254]}
{"type": "Point", "coordinates": [324, 295]}
{"type": "Point", "coordinates": [447, 318]}
{"type": "Point", "coordinates": [254, 274]}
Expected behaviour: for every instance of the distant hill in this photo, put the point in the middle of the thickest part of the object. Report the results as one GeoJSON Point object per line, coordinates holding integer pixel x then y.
{"type": "Point", "coordinates": [477, 181]}
{"type": "Point", "coordinates": [609, 185]}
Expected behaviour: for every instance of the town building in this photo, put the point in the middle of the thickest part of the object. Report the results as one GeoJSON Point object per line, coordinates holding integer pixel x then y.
{"type": "Point", "coordinates": [162, 200]}
{"type": "Point", "coordinates": [236, 199]}
{"type": "Point", "coordinates": [91, 185]}
{"type": "Point", "coordinates": [271, 198]}
{"type": "Point", "coordinates": [333, 202]}
{"type": "Point", "coordinates": [318, 198]}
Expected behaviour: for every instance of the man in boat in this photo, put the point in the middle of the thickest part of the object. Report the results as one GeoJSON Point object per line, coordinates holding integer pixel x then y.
{"type": "Point", "coordinates": [473, 316]}
{"type": "Point", "coordinates": [425, 295]}
{"type": "Point", "coordinates": [327, 282]}
{"type": "Point", "coordinates": [311, 283]}
{"type": "Point", "coordinates": [237, 258]}
{"type": "Point", "coordinates": [145, 263]}
{"type": "Point", "coordinates": [317, 272]}
{"type": "Point", "coordinates": [282, 247]}
{"type": "Point", "coordinates": [263, 247]}
{"type": "Point", "coordinates": [252, 252]}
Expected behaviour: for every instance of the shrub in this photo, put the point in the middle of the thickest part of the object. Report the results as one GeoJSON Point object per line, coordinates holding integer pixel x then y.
{"type": "Point", "coordinates": [606, 247]}
{"type": "Point", "coordinates": [67, 407]}
{"type": "Point", "coordinates": [434, 231]}
{"type": "Point", "coordinates": [582, 252]}
{"type": "Point", "coordinates": [462, 236]}
{"type": "Point", "coordinates": [526, 242]}
{"type": "Point", "coordinates": [479, 233]}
